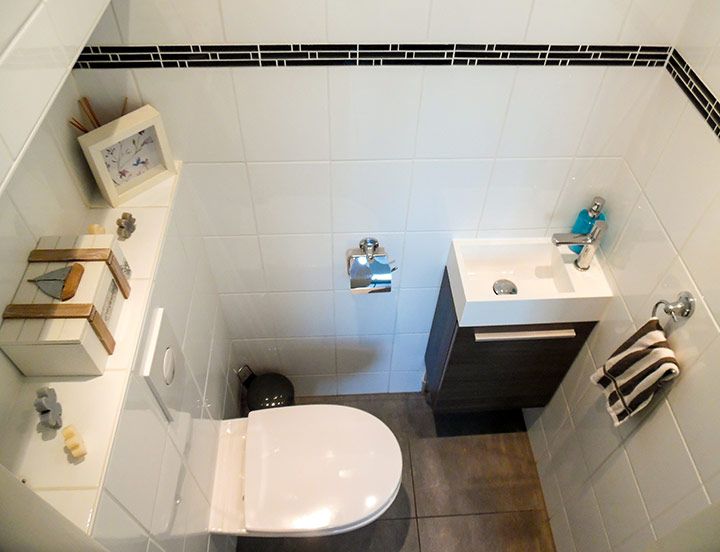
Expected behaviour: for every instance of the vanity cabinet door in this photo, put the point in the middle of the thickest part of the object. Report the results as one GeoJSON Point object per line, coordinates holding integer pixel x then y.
{"type": "Point", "coordinates": [497, 367]}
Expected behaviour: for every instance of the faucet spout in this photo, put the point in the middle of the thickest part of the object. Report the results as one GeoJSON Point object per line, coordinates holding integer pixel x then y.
{"type": "Point", "coordinates": [589, 241]}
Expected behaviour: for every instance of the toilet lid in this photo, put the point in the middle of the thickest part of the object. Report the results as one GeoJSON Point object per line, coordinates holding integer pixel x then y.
{"type": "Point", "coordinates": [316, 468]}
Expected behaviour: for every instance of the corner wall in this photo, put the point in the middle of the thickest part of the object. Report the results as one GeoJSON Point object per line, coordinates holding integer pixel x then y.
{"type": "Point", "coordinates": [621, 488]}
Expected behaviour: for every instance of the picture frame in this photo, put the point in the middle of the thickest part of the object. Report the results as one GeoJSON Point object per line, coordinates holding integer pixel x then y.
{"type": "Point", "coordinates": [128, 155]}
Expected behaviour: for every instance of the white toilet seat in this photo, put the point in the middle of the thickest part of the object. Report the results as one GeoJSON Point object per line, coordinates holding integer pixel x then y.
{"type": "Point", "coordinates": [306, 470]}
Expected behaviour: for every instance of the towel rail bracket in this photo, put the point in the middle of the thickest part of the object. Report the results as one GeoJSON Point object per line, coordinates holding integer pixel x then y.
{"type": "Point", "coordinates": [683, 307]}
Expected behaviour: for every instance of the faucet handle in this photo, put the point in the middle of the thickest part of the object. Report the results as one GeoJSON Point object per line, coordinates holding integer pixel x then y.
{"type": "Point", "coordinates": [597, 230]}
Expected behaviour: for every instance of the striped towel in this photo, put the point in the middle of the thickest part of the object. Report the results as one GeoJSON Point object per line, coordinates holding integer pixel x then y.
{"type": "Point", "coordinates": [636, 370]}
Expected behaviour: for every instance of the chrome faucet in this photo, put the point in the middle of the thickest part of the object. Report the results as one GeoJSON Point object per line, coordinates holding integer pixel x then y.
{"type": "Point", "coordinates": [589, 241]}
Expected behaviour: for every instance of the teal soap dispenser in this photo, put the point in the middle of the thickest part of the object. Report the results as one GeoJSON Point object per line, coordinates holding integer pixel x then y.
{"type": "Point", "coordinates": [586, 219]}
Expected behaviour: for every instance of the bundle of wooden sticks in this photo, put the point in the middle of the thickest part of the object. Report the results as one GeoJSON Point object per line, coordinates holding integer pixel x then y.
{"type": "Point", "coordinates": [89, 112]}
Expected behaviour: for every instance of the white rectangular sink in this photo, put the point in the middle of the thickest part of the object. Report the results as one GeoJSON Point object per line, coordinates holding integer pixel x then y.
{"type": "Point", "coordinates": [550, 288]}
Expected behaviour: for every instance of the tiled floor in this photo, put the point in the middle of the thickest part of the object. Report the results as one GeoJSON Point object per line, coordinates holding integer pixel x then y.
{"type": "Point", "coordinates": [469, 485]}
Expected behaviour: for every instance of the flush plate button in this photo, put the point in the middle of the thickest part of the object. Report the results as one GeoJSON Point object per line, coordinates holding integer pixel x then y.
{"type": "Point", "coordinates": [504, 287]}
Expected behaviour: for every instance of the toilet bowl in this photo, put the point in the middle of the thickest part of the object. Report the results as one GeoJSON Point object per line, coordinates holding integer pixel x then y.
{"type": "Point", "coordinates": [306, 470]}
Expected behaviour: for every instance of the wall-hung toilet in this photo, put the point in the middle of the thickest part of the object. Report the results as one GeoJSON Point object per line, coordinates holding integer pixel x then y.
{"type": "Point", "coordinates": [302, 471]}
{"type": "Point", "coordinates": [292, 471]}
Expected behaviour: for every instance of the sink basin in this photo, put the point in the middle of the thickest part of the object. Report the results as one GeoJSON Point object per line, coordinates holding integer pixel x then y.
{"type": "Point", "coordinates": [549, 287]}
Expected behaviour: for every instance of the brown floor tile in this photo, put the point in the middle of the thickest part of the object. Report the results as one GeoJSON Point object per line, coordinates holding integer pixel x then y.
{"type": "Point", "coordinates": [506, 532]}
{"type": "Point", "coordinates": [475, 474]}
{"type": "Point", "coordinates": [380, 536]}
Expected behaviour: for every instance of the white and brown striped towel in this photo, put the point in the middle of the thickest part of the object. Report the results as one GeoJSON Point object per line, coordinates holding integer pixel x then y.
{"type": "Point", "coordinates": [636, 370]}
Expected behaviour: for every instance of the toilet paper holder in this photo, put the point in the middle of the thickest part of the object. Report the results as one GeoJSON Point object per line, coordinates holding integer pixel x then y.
{"type": "Point", "coordinates": [369, 268]}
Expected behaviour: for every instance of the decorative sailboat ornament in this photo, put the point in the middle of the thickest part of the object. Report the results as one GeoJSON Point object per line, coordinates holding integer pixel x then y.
{"type": "Point", "coordinates": [61, 284]}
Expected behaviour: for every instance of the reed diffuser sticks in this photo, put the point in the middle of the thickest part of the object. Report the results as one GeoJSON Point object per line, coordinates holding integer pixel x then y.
{"type": "Point", "coordinates": [91, 116]}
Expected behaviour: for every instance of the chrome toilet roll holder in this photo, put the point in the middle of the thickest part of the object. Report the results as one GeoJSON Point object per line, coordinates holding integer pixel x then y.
{"type": "Point", "coordinates": [369, 267]}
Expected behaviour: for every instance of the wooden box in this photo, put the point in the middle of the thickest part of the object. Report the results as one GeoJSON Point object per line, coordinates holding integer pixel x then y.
{"type": "Point", "coordinates": [48, 337]}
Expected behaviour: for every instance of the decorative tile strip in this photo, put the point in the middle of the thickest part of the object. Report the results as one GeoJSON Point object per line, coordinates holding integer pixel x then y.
{"type": "Point", "coordinates": [699, 95]}
{"type": "Point", "coordinates": [288, 55]}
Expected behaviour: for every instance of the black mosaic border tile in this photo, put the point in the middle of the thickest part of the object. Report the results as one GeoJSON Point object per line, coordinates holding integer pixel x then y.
{"type": "Point", "coordinates": [699, 95]}
{"type": "Point", "coordinates": [286, 55]}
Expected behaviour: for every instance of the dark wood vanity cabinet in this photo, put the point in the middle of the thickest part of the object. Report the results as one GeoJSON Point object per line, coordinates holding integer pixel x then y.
{"type": "Point", "coordinates": [496, 367]}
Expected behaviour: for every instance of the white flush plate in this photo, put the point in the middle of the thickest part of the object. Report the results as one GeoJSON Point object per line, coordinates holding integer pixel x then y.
{"type": "Point", "coordinates": [163, 364]}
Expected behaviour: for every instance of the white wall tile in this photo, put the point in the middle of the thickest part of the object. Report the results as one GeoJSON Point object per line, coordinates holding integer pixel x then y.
{"type": "Point", "coordinates": [73, 20]}
{"type": "Point", "coordinates": [531, 186]}
{"type": "Point", "coordinates": [577, 380]}
{"type": "Point", "coordinates": [217, 372]}
{"type": "Point", "coordinates": [695, 410]}
{"type": "Point", "coordinates": [260, 354]}
{"type": "Point", "coordinates": [482, 21]}
{"type": "Point", "coordinates": [314, 386]}
{"type": "Point", "coordinates": [5, 161]}
{"type": "Point", "coordinates": [695, 253]}
{"type": "Point", "coordinates": [574, 22]}
{"type": "Point", "coordinates": [640, 540]}
{"type": "Point", "coordinates": [693, 158]}
{"type": "Point", "coordinates": [278, 123]}
{"type": "Point", "coordinates": [169, 517]}
{"type": "Point", "coordinates": [416, 308]}
{"type": "Point", "coordinates": [306, 356]}
{"type": "Point", "coordinates": [555, 415]}
{"type": "Point", "coordinates": [561, 533]}
{"type": "Point", "coordinates": [711, 71]}
{"type": "Point", "coordinates": [353, 384]}
{"type": "Point", "coordinates": [302, 314]}
{"type": "Point", "coordinates": [277, 21]}
{"type": "Point", "coordinates": [542, 97]}
{"type": "Point", "coordinates": [586, 523]}
{"type": "Point", "coordinates": [44, 191]}
{"type": "Point", "coordinates": [137, 453]}
{"type": "Point", "coordinates": [32, 69]}
{"type": "Point", "coordinates": [692, 504]}
{"type": "Point", "coordinates": [448, 195]}
{"type": "Point", "coordinates": [622, 97]}
{"type": "Point", "coordinates": [363, 354]}
{"type": "Point", "coordinates": [202, 455]}
{"type": "Point", "coordinates": [425, 256]}
{"type": "Point", "coordinates": [651, 125]}
{"type": "Point", "coordinates": [169, 22]}
{"type": "Point", "coordinates": [247, 315]}
{"type": "Point", "coordinates": [642, 255]}
{"type": "Point", "coordinates": [356, 209]}
{"type": "Point", "coordinates": [297, 262]}
{"type": "Point", "coordinates": [222, 199]}
{"type": "Point", "coordinates": [236, 263]}
{"type": "Point", "coordinates": [15, 242]}
{"type": "Point", "coordinates": [654, 21]}
{"type": "Point", "coordinates": [406, 382]}
{"type": "Point", "coordinates": [609, 177]}
{"type": "Point", "coordinates": [538, 442]}
{"type": "Point", "coordinates": [198, 335]}
{"type": "Point", "coordinates": [660, 461]}
{"type": "Point", "coordinates": [568, 463]}
{"type": "Point", "coordinates": [377, 20]}
{"type": "Point", "coordinates": [409, 352]}
{"type": "Point", "coordinates": [14, 16]}
{"type": "Point", "coordinates": [365, 121]}
{"type": "Point", "coordinates": [392, 243]}
{"type": "Point", "coordinates": [198, 111]}
{"type": "Point", "coordinates": [197, 509]}
{"type": "Point", "coordinates": [77, 505]}
{"type": "Point", "coordinates": [618, 496]}
{"type": "Point", "coordinates": [291, 198]}
{"type": "Point", "coordinates": [463, 109]}
{"type": "Point", "coordinates": [107, 30]}
{"type": "Point", "coordinates": [615, 326]}
{"type": "Point", "coordinates": [115, 529]}
{"type": "Point", "coordinates": [366, 314]}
